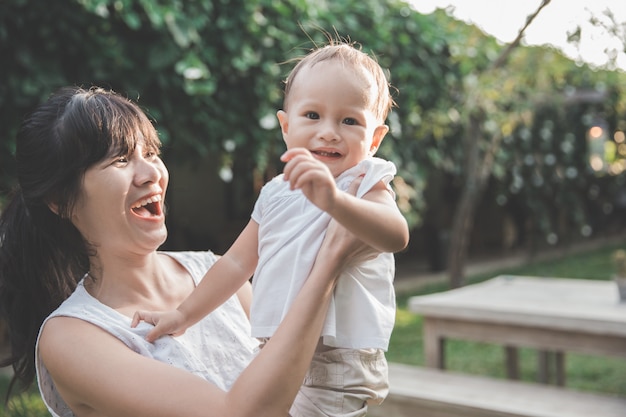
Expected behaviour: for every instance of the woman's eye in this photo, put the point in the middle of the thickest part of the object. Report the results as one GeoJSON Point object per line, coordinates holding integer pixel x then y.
{"type": "Point", "coordinates": [121, 159]}
{"type": "Point", "coordinates": [152, 153]}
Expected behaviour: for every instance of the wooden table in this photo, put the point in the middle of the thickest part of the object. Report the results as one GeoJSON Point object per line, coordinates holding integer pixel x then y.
{"type": "Point", "coordinates": [553, 315]}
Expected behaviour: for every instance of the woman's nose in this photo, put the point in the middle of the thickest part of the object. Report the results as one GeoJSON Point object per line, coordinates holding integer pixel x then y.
{"type": "Point", "coordinates": [148, 171]}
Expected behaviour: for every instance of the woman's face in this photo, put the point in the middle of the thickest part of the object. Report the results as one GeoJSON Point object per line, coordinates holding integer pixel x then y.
{"type": "Point", "coordinates": [121, 204]}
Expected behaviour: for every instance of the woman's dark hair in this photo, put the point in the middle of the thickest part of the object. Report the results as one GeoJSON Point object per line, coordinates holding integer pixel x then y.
{"type": "Point", "coordinates": [42, 254]}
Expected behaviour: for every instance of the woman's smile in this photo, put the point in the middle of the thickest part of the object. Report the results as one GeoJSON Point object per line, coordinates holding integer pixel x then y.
{"type": "Point", "coordinates": [149, 207]}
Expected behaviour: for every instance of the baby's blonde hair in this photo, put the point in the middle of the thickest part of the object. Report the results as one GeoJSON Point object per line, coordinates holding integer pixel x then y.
{"type": "Point", "coordinates": [350, 54]}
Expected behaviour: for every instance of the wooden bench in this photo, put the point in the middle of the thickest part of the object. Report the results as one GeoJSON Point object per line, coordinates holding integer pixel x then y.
{"type": "Point", "coordinates": [427, 392]}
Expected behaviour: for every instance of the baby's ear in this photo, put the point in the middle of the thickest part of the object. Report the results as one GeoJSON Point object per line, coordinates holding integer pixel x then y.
{"type": "Point", "coordinates": [379, 134]}
{"type": "Point", "coordinates": [283, 121]}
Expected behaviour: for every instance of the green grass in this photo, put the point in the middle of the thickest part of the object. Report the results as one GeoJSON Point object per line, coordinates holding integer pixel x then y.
{"type": "Point", "coordinates": [26, 404]}
{"type": "Point", "coordinates": [585, 372]}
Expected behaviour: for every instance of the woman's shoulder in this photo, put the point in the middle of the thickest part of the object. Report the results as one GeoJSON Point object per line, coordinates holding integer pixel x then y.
{"type": "Point", "coordinates": [78, 302]}
{"type": "Point", "coordinates": [60, 330]}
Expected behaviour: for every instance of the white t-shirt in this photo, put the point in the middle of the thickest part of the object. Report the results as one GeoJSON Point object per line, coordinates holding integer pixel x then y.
{"type": "Point", "coordinates": [291, 230]}
{"type": "Point", "coordinates": [217, 348]}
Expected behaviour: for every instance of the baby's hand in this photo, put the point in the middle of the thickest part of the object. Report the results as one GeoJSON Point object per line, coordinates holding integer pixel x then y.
{"type": "Point", "coordinates": [165, 322]}
{"type": "Point", "coordinates": [311, 176]}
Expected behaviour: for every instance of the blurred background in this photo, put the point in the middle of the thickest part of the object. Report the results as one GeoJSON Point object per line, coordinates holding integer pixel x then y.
{"type": "Point", "coordinates": [507, 138]}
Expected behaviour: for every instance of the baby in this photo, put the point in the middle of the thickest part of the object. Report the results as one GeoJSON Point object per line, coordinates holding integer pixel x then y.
{"type": "Point", "coordinates": [336, 103]}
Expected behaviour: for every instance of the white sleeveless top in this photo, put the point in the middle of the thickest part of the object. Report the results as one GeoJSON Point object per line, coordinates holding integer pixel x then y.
{"type": "Point", "coordinates": [217, 348]}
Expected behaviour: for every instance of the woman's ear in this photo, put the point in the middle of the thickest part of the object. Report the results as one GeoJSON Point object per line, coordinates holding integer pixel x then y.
{"type": "Point", "coordinates": [379, 134]}
{"type": "Point", "coordinates": [53, 208]}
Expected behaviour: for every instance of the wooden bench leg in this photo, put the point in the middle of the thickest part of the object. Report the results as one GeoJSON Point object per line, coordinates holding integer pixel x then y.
{"type": "Point", "coordinates": [549, 362]}
{"type": "Point", "coordinates": [434, 346]}
{"type": "Point", "coordinates": [512, 362]}
{"type": "Point", "coordinates": [559, 362]}
{"type": "Point", "coordinates": [543, 366]}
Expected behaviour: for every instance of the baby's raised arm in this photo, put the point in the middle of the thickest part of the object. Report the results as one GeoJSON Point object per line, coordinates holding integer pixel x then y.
{"type": "Point", "coordinates": [220, 282]}
{"type": "Point", "coordinates": [374, 218]}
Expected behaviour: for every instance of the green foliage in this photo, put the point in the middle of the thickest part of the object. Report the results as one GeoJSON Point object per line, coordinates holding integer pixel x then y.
{"type": "Point", "coordinates": [537, 110]}
{"type": "Point", "coordinates": [26, 404]}
{"type": "Point", "coordinates": [209, 72]}
{"type": "Point", "coordinates": [543, 165]}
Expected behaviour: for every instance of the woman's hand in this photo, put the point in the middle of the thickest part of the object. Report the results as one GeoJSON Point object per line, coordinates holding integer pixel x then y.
{"type": "Point", "coordinates": [345, 248]}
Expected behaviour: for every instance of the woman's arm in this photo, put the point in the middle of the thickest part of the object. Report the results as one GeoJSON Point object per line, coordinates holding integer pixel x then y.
{"type": "Point", "coordinates": [102, 376]}
{"type": "Point", "coordinates": [285, 359]}
{"type": "Point", "coordinates": [244, 294]}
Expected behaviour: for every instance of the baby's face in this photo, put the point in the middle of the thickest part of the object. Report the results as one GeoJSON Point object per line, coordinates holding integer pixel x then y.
{"type": "Point", "coordinates": [329, 112]}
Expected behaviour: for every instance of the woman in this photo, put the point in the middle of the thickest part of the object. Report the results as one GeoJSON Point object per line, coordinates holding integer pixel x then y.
{"type": "Point", "coordinates": [83, 230]}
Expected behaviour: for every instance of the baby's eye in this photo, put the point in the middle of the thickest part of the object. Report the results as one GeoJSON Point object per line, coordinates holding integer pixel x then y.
{"type": "Point", "coordinates": [312, 115]}
{"type": "Point", "coordinates": [349, 121]}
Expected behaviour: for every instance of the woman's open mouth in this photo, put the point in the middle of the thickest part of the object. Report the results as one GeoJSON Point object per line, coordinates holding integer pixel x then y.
{"type": "Point", "coordinates": [148, 207]}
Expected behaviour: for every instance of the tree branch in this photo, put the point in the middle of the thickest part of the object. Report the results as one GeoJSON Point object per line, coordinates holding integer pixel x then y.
{"type": "Point", "coordinates": [520, 35]}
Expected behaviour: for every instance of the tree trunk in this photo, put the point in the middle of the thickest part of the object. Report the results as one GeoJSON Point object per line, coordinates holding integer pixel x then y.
{"type": "Point", "coordinates": [478, 167]}
{"type": "Point", "coordinates": [478, 170]}
{"type": "Point", "coordinates": [460, 236]}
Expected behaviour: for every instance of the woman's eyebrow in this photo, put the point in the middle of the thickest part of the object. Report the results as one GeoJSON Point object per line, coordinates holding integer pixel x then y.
{"type": "Point", "coordinates": [117, 150]}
